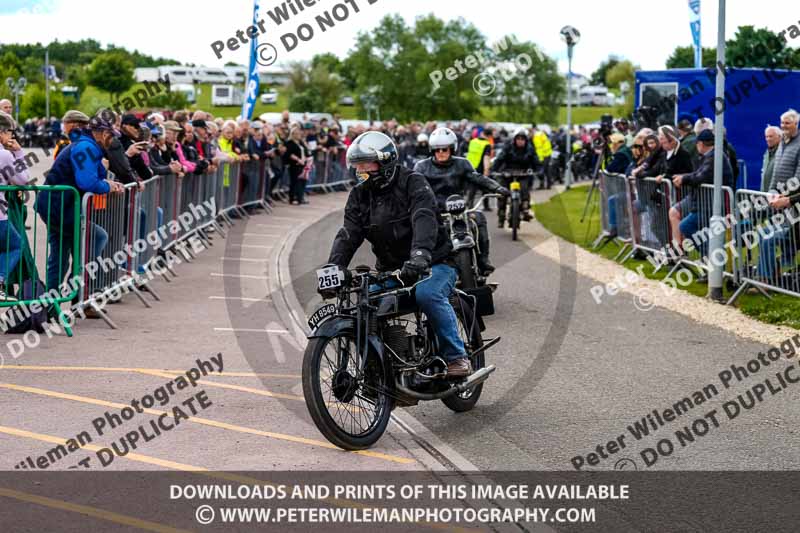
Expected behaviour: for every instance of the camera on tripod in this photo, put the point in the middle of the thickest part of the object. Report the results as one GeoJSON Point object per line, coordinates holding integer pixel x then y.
{"type": "Point", "coordinates": [646, 117]}
{"type": "Point", "coordinates": [605, 130]}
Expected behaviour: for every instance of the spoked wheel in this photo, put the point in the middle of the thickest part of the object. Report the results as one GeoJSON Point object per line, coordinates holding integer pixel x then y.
{"type": "Point", "coordinates": [464, 263]}
{"type": "Point", "coordinates": [471, 335]}
{"type": "Point", "coordinates": [350, 408]}
{"type": "Point", "coordinates": [514, 218]}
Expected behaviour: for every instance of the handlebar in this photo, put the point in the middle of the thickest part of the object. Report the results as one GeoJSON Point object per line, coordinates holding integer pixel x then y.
{"type": "Point", "coordinates": [480, 201]}
{"type": "Point", "coordinates": [513, 174]}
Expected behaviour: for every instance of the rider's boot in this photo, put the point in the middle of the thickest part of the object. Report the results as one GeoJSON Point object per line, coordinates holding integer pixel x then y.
{"type": "Point", "coordinates": [526, 210]}
{"type": "Point", "coordinates": [501, 222]}
{"type": "Point", "coordinates": [459, 368]}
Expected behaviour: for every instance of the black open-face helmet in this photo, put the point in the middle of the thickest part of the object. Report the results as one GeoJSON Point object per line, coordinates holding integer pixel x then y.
{"type": "Point", "coordinates": [373, 146]}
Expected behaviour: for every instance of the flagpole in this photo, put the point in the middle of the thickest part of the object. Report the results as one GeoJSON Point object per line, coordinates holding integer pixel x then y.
{"type": "Point", "coordinates": [252, 81]}
{"type": "Point", "coordinates": [47, 85]}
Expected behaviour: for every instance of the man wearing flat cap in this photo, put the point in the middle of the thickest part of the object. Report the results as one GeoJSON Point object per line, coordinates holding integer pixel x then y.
{"type": "Point", "coordinates": [80, 165]}
{"type": "Point", "coordinates": [71, 124]}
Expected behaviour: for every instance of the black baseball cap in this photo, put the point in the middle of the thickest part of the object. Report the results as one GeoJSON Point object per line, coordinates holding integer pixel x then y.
{"type": "Point", "coordinates": [199, 123]}
{"type": "Point", "coordinates": [705, 136]}
{"type": "Point", "coordinates": [131, 120]}
{"type": "Point", "coordinates": [101, 124]}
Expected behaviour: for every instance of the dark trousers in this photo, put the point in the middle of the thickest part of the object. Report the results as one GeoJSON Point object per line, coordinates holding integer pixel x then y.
{"type": "Point", "coordinates": [297, 186]}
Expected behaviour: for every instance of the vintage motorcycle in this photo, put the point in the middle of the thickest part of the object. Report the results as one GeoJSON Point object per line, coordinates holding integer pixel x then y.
{"type": "Point", "coordinates": [463, 231]}
{"type": "Point", "coordinates": [374, 350]}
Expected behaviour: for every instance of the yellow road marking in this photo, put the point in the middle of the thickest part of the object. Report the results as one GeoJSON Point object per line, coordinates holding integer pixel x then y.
{"type": "Point", "coordinates": [260, 392]}
{"type": "Point", "coordinates": [198, 470]}
{"type": "Point", "coordinates": [229, 386]}
{"type": "Point", "coordinates": [116, 369]}
{"type": "Point", "coordinates": [92, 448]}
{"type": "Point", "coordinates": [89, 511]}
{"type": "Point", "coordinates": [207, 422]}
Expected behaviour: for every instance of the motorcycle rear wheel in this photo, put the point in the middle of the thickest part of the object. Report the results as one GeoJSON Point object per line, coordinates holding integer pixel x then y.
{"type": "Point", "coordinates": [466, 400]}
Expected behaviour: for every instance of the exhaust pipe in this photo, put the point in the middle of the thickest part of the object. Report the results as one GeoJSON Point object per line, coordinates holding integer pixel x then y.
{"type": "Point", "coordinates": [475, 378]}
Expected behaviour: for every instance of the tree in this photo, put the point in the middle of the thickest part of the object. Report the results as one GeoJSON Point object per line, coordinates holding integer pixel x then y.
{"type": "Point", "coordinates": [400, 60]}
{"type": "Point", "coordinates": [169, 100]}
{"type": "Point", "coordinates": [749, 47]}
{"type": "Point", "coordinates": [313, 88]}
{"type": "Point", "coordinates": [111, 72]}
{"type": "Point", "coordinates": [683, 57]}
{"type": "Point", "coordinates": [33, 103]}
{"type": "Point", "coordinates": [759, 48]}
{"type": "Point", "coordinates": [599, 76]}
{"type": "Point", "coordinates": [529, 85]}
{"type": "Point", "coordinates": [622, 71]}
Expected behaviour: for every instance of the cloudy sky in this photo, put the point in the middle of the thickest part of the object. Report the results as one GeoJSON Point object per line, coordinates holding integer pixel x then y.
{"type": "Point", "coordinates": [643, 31]}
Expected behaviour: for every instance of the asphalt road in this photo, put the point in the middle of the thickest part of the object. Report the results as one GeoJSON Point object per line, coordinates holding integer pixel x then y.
{"type": "Point", "coordinates": [573, 374]}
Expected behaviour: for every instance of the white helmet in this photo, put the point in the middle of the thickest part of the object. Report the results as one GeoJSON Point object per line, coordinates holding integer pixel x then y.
{"type": "Point", "coordinates": [444, 138]}
{"type": "Point", "coordinates": [521, 132]}
{"type": "Point", "coordinates": [422, 138]}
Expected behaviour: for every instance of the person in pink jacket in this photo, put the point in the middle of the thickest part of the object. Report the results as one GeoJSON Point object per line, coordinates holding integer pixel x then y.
{"type": "Point", "coordinates": [13, 171]}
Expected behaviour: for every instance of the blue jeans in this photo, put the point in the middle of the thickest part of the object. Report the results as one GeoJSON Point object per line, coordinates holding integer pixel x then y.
{"type": "Point", "coordinates": [433, 298]}
{"type": "Point", "coordinates": [58, 259]}
{"type": "Point", "coordinates": [612, 213]}
{"type": "Point", "coordinates": [143, 228]}
{"type": "Point", "coordinates": [689, 225]}
{"type": "Point", "coordinates": [766, 253]}
{"type": "Point", "coordinates": [10, 249]}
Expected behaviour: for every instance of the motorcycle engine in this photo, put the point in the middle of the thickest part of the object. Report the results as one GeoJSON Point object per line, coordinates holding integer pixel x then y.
{"type": "Point", "coordinates": [398, 340]}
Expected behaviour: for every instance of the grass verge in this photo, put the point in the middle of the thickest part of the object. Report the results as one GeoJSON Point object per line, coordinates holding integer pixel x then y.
{"type": "Point", "coordinates": [781, 310]}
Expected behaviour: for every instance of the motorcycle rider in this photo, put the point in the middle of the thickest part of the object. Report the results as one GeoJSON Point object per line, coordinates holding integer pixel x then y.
{"type": "Point", "coordinates": [422, 149]}
{"type": "Point", "coordinates": [394, 208]}
{"type": "Point", "coordinates": [448, 174]}
{"type": "Point", "coordinates": [517, 155]}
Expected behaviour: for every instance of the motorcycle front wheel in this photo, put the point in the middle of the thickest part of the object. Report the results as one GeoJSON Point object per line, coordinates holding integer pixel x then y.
{"type": "Point", "coordinates": [350, 408]}
{"type": "Point", "coordinates": [514, 218]}
{"type": "Point", "coordinates": [465, 269]}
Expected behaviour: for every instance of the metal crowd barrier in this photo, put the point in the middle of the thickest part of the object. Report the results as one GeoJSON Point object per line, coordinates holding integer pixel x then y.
{"type": "Point", "coordinates": [331, 174]}
{"type": "Point", "coordinates": [57, 207]}
{"type": "Point", "coordinates": [616, 207]}
{"type": "Point", "coordinates": [151, 217]}
{"type": "Point", "coordinates": [168, 201]}
{"type": "Point", "coordinates": [110, 237]}
{"type": "Point", "coordinates": [254, 184]}
{"type": "Point", "coordinates": [650, 227]}
{"type": "Point", "coordinates": [110, 226]}
{"type": "Point", "coordinates": [698, 258]}
{"type": "Point", "coordinates": [767, 244]}
{"type": "Point", "coordinates": [227, 191]}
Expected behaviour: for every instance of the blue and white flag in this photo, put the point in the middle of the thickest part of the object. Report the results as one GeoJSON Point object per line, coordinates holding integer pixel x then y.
{"type": "Point", "coordinates": [694, 22]}
{"type": "Point", "coordinates": [252, 83]}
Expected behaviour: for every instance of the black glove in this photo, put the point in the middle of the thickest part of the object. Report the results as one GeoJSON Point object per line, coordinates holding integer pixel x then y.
{"type": "Point", "coordinates": [502, 190]}
{"type": "Point", "coordinates": [416, 267]}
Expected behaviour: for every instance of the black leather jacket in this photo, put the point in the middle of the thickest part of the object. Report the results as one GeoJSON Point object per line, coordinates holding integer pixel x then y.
{"type": "Point", "coordinates": [453, 178]}
{"type": "Point", "coordinates": [513, 158]}
{"type": "Point", "coordinates": [396, 221]}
